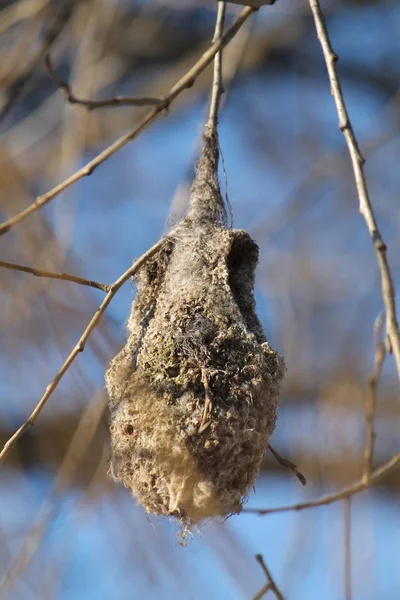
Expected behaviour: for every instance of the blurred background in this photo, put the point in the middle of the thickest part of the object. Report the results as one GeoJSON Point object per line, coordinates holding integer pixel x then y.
{"type": "Point", "coordinates": [66, 531]}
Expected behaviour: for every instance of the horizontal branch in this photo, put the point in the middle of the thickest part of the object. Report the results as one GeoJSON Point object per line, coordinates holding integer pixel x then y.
{"type": "Point", "coordinates": [52, 275]}
{"type": "Point", "coordinates": [348, 492]}
{"type": "Point", "coordinates": [80, 346]}
{"type": "Point", "coordinates": [93, 104]}
{"type": "Point", "coordinates": [185, 82]}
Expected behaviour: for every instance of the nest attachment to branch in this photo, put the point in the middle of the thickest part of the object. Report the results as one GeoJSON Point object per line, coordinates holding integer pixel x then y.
{"type": "Point", "coordinates": [193, 393]}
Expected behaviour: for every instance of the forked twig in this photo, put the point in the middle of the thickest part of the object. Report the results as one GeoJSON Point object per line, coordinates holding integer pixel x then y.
{"type": "Point", "coordinates": [93, 104]}
{"type": "Point", "coordinates": [80, 346]}
{"type": "Point", "coordinates": [185, 82]}
{"type": "Point", "coordinates": [271, 585]}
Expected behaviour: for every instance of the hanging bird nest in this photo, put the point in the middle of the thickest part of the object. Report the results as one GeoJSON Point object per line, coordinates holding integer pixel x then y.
{"type": "Point", "coordinates": [193, 393]}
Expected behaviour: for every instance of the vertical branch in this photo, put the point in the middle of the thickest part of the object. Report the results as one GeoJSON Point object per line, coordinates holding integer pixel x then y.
{"type": "Point", "coordinates": [217, 87]}
{"type": "Point", "coordinates": [347, 547]}
{"type": "Point", "coordinates": [206, 203]}
{"type": "Point", "coordinates": [358, 161]}
{"type": "Point", "coordinates": [373, 380]}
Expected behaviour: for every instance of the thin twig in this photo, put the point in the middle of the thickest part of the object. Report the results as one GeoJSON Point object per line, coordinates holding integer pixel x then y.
{"type": "Point", "coordinates": [365, 206]}
{"type": "Point", "coordinates": [52, 275]}
{"type": "Point", "coordinates": [93, 104]}
{"type": "Point", "coordinates": [185, 82]}
{"type": "Point", "coordinates": [347, 547]}
{"type": "Point", "coordinates": [217, 86]}
{"type": "Point", "coordinates": [373, 380]}
{"type": "Point", "coordinates": [80, 346]}
{"type": "Point", "coordinates": [271, 585]}
{"type": "Point", "coordinates": [232, 59]}
{"type": "Point", "coordinates": [352, 490]}
{"type": "Point", "coordinates": [262, 592]}
{"type": "Point", "coordinates": [287, 464]}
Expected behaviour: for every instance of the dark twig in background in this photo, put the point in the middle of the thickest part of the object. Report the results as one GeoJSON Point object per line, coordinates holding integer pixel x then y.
{"type": "Point", "coordinates": [270, 585]}
{"type": "Point", "coordinates": [287, 464]}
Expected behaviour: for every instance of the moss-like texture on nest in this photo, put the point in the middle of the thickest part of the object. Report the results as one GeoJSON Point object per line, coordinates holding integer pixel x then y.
{"type": "Point", "coordinates": [193, 393]}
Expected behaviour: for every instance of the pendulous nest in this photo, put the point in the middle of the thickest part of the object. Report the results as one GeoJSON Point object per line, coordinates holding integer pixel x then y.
{"type": "Point", "coordinates": [193, 393]}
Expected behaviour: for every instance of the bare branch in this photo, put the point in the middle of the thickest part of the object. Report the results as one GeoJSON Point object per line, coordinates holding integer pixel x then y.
{"type": "Point", "coordinates": [357, 160]}
{"type": "Point", "coordinates": [51, 275]}
{"type": "Point", "coordinates": [271, 585]}
{"type": "Point", "coordinates": [352, 490]}
{"type": "Point", "coordinates": [185, 82]}
{"type": "Point", "coordinates": [80, 346]}
{"type": "Point", "coordinates": [217, 87]}
{"type": "Point", "coordinates": [93, 104]}
{"type": "Point", "coordinates": [287, 464]}
{"type": "Point", "coordinates": [380, 354]}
